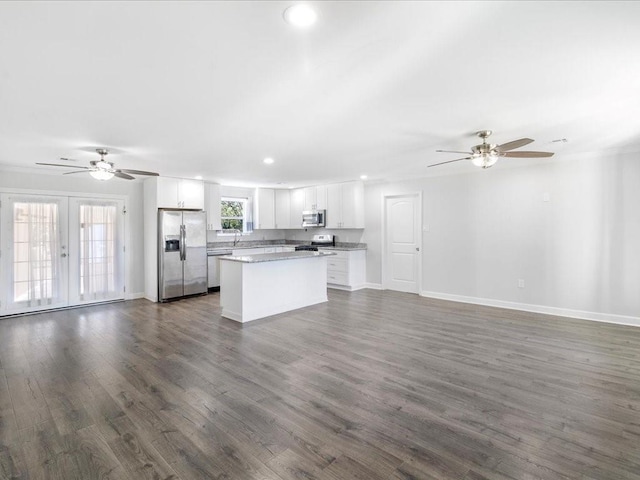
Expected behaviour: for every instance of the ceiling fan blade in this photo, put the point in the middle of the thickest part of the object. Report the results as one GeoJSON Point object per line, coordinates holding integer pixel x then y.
{"type": "Point", "coordinates": [65, 159]}
{"type": "Point", "coordinates": [515, 144]}
{"type": "Point", "coordinates": [77, 171]}
{"type": "Point", "coordinates": [450, 161]}
{"type": "Point", "coordinates": [137, 172]}
{"type": "Point", "coordinates": [60, 165]}
{"type": "Point", "coordinates": [123, 175]}
{"type": "Point", "coordinates": [527, 154]}
{"type": "Point", "coordinates": [452, 151]}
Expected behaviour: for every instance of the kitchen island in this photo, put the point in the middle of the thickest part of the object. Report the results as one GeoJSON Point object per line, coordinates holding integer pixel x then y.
{"type": "Point", "coordinates": [257, 286]}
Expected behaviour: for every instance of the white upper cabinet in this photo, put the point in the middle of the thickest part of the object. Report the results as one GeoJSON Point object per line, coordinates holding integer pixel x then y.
{"type": "Point", "coordinates": [179, 193]}
{"type": "Point", "coordinates": [283, 209]}
{"type": "Point", "coordinates": [297, 207]}
{"type": "Point", "coordinates": [191, 193]}
{"type": "Point", "coordinates": [265, 216]}
{"type": "Point", "coordinates": [345, 205]}
{"type": "Point", "coordinates": [353, 205]}
{"type": "Point", "coordinates": [167, 192]}
{"type": "Point", "coordinates": [321, 197]}
{"type": "Point", "coordinates": [334, 206]}
{"type": "Point", "coordinates": [212, 206]}
{"type": "Point", "coordinates": [315, 198]}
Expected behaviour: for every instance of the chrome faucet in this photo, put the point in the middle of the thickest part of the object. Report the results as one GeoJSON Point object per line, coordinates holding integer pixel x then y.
{"type": "Point", "coordinates": [236, 240]}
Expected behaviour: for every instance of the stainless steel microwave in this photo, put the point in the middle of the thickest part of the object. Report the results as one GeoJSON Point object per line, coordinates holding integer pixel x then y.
{"type": "Point", "coordinates": [314, 218]}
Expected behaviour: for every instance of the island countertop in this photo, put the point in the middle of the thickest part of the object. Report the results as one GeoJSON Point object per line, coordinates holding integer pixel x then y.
{"type": "Point", "coordinates": [273, 257]}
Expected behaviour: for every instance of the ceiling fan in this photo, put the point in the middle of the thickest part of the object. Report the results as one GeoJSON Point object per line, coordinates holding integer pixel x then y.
{"type": "Point", "coordinates": [486, 154]}
{"type": "Point", "coordinates": [101, 169]}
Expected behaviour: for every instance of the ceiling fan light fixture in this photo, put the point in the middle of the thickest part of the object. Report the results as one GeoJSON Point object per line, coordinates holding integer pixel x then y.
{"type": "Point", "coordinates": [104, 165]}
{"type": "Point", "coordinates": [101, 174]}
{"type": "Point", "coordinates": [484, 160]}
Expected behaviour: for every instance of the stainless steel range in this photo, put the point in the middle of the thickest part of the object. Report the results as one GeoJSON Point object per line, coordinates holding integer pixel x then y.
{"type": "Point", "coordinates": [318, 241]}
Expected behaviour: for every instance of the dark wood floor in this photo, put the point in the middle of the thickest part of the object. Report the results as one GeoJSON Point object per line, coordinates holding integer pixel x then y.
{"type": "Point", "coordinates": [372, 385]}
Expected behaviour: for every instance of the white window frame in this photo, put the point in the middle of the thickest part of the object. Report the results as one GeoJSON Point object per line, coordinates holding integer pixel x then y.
{"type": "Point", "coordinates": [245, 206]}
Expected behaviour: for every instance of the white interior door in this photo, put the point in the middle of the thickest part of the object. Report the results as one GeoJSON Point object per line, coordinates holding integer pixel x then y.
{"type": "Point", "coordinates": [402, 243]}
{"type": "Point", "coordinates": [34, 259]}
{"type": "Point", "coordinates": [96, 250]}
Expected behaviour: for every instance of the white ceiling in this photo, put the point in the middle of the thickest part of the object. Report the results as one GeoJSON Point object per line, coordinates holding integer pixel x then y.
{"type": "Point", "coordinates": [211, 88]}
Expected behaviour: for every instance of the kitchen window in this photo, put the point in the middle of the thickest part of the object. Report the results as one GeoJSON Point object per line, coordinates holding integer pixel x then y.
{"type": "Point", "coordinates": [235, 215]}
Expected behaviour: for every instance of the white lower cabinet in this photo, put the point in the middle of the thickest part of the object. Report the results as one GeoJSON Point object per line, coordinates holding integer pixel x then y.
{"type": "Point", "coordinates": [347, 269]}
{"type": "Point", "coordinates": [213, 271]}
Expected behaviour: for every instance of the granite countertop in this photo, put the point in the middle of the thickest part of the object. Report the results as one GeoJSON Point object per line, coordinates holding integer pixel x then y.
{"type": "Point", "coordinates": [273, 257]}
{"type": "Point", "coordinates": [229, 245]}
{"type": "Point", "coordinates": [217, 246]}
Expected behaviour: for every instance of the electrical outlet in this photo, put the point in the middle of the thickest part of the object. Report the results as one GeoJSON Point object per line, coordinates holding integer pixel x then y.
{"type": "Point", "coordinates": [521, 283]}
{"type": "Point", "coordinates": [546, 197]}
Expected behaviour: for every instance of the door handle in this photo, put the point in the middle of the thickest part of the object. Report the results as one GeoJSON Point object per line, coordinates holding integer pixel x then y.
{"type": "Point", "coordinates": [63, 255]}
{"type": "Point", "coordinates": [417, 249]}
{"type": "Point", "coordinates": [183, 252]}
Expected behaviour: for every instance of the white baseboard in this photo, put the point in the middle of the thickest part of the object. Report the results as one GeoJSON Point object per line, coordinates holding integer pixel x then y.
{"type": "Point", "coordinates": [373, 286]}
{"type": "Point", "coordinates": [561, 312]}
{"type": "Point", "coordinates": [134, 296]}
{"type": "Point", "coordinates": [346, 288]}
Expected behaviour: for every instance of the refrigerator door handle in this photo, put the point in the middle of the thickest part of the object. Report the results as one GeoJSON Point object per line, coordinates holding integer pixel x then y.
{"type": "Point", "coordinates": [184, 242]}
{"type": "Point", "coordinates": [182, 238]}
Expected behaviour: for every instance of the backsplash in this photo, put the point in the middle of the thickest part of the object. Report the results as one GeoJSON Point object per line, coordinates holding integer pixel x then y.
{"type": "Point", "coordinates": [295, 236]}
{"type": "Point", "coordinates": [349, 238]}
{"type": "Point", "coordinates": [343, 235]}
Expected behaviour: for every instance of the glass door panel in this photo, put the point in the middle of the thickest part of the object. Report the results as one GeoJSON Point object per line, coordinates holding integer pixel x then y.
{"type": "Point", "coordinates": [97, 250]}
{"type": "Point", "coordinates": [34, 253]}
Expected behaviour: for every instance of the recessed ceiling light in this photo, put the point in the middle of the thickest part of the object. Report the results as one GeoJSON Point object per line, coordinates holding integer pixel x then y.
{"type": "Point", "coordinates": [198, 177]}
{"type": "Point", "coordinates": [268, 160]}
{"type": "Point", "coordinates": [300, 15]}
{"type": "Point", "coordinates": [363, 177]}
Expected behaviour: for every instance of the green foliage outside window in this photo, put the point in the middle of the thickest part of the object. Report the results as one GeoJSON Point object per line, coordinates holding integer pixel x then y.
{"type": "Point", "coordinates": [232, 214]}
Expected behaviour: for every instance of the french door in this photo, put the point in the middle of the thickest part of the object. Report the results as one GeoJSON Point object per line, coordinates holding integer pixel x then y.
{"type": "Point", "coordinates": [59, 251]}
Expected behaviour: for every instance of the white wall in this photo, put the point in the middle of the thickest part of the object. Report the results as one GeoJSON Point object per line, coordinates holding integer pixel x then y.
{"type": "Point", "coordinates": [87, 185]}
{"type": "Point", "coordinates": [579, 251]}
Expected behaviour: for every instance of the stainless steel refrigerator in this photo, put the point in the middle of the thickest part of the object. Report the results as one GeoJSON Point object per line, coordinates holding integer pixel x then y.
{"type": "Point", "coordinates": [182, 253]}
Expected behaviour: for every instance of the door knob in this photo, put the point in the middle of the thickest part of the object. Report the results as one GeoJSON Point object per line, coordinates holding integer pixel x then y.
{"type": "Point", "coordinates": [417, 249]}
{"type": "Point", "coordinates": [63, 255]}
